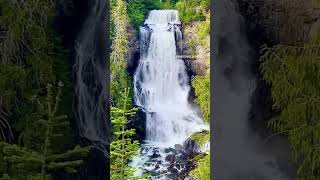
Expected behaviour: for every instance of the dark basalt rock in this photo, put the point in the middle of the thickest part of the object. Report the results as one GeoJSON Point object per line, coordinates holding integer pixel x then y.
{"type": "Point", "coordinates": [171, 158]}
{"type": "Point", "coordinates": [191, 147]}
{"type": "Point", "coordinates": [138, 122]}
{"type": "Point", "coordinates": [286, 22]}
{"type": "Point", "coordinates": [133, 54]}
{"type": "Point", "coordinates": [178, 161]}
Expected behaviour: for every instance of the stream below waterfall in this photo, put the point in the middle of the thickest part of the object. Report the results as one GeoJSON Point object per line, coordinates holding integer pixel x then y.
{"type": "Point", "coordinates": [161, 90]}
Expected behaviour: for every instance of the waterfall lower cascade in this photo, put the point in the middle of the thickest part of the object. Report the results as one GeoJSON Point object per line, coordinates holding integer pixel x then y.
{"type": "Point", "coordinates": [161, 89]}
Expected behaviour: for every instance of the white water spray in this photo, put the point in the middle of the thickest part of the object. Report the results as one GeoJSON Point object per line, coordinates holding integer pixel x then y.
{"type": "Point", "coordinates": [161, 84]}
{"type": "Point", "coordinates": [161, 89]}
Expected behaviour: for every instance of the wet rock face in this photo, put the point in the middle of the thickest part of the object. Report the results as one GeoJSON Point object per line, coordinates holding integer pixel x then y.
{"type": "Point", "coordinates": [138, 122]}
{"type": "Point", "coordinates": [173, 163]}
{"type": "Point", "coordinates": [288, 22]}
{"type": "Point", "coordinates": [133, 55]}
{"type": "Point", "coordinates": [191, 47]}
{"type": "Point", "coordinates": [191, 148]}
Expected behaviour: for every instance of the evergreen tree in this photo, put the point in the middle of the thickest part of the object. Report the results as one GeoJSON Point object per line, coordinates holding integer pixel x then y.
{"type": "Point", "coordinates": [30, 57]}
{"type": "Point", "coordinates": [122, 148]}
{"type": "Point", "coordinates": [294, 76]}
{"type": "Point", "coordinates": [26, 163]}
{"type": "Point", "coordinates": [119, 49]}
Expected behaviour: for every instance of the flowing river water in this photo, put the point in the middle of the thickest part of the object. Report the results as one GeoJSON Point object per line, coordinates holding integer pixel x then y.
{"type": "Point", "coordinates": [161, 89]}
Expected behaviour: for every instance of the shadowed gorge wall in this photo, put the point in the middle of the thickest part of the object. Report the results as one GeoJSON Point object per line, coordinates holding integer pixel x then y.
{"type": "Point", "coordinates": [84, 25]}
{"type": "Point", "coordinates": [241, 153]}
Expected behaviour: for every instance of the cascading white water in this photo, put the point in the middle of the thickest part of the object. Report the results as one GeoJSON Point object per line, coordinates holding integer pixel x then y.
{"type": "Point", "coordinates": [161, 84]}
{"type": "Point", "coordinates": [161, 89]}
{"type": "Point", "coordinates": [90, 78]}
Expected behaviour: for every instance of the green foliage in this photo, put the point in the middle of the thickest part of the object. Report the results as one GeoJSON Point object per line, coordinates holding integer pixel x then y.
{"type": "Point", "coordinates": [168, 4]}
{"type": "Point", "coordinates": [201, 137]}
{"type": "Point", "coordinates": [201, 86]}
{"type": "Point", "coordinates": [138, 9]}
{"type": "Point", "coordinates": [39, 161]}
{"type": "Point", "coordinates": [30, 57]}
{"type": "Point", "coordinates": [193, 10]}
{"type": "Point", "coordinates": [192, 46]}
{"type": "Point", "coordinates": [122, 148]}
{"type": "Point", "coordinates": [203, 29]}
{"type": "Point", "coordinates": [202, 170]}
{"type": "Point", "coordinates": [119, 49]}
{"type": "Point", "coordinates": [293, 73]}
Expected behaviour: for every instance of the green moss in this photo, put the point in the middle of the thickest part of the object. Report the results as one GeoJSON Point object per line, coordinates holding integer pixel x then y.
{"type": "Point", "coordinates": [201, 86]}
{"type": "Point", "coordinates": [201, 137]}
{"type": "Point", "coordinates": [202, 170]}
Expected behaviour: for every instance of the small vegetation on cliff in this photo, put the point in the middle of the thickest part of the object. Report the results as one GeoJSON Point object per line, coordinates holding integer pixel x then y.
{"type": "Point", "coordinates": [201, 137]}
{"type": "Point", "coordinates": [293, 73]}
{"type": "Point", "coordinates": [193, 10]}
{"type": "Point", "coordinates": [202, 172]}
{"type": "Point", "coordinates": [201, 86]}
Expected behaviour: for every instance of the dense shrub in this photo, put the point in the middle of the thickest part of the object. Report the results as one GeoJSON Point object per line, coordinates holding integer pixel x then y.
{"type": "Point", "coordinates": [138, 9]}
{"type": "Point", "coordinates": [193, 10]}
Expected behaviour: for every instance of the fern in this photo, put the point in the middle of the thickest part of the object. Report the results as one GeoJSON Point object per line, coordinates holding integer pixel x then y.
{"type": "Point", "coordinates": [294, 75]}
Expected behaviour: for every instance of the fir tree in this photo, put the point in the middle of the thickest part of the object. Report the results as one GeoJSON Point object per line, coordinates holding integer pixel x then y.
{"type": "Point", "coordinates": [119, 49]}
{"type": "Point", "coordinates": [122, 148]}
{"type": "Point", "coordinates": [26, 163]}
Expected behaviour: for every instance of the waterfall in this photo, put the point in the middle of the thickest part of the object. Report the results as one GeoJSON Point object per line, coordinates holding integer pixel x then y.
{"type": "Point", "coordinates": [161, 86]}
{"type": "Point", "coordinates": [240, 153]}
{"type": "Point", "coordinates": [90, 75]}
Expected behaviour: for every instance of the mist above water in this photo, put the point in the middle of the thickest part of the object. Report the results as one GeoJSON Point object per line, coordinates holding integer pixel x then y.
{"type": "Point", "coordinates": [239, 153]}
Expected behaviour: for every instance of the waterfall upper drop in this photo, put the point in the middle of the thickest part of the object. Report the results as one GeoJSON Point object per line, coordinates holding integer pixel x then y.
{"type": "Point", "coordinates": [161, 83]}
